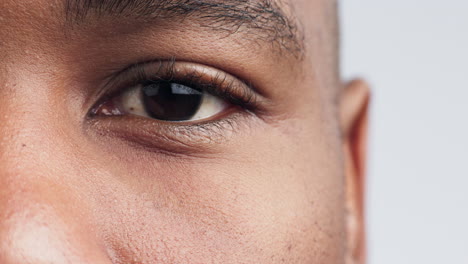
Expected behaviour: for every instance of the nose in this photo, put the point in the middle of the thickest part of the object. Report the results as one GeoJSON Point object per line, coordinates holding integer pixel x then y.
{"type": "Point", "coordinates": [43, 215]}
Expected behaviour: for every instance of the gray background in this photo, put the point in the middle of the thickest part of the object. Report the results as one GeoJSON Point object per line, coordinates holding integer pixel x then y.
{"type": "Point", "coordinates": [415, 55]}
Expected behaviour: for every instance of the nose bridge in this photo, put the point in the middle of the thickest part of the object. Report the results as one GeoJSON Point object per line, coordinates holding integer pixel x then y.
{"type": "Point", "coordinates": [32, 109]}
{"type": "Point", "coordinates": [24, 128]}
{"type": "Point", "coordinates": [45, 216]}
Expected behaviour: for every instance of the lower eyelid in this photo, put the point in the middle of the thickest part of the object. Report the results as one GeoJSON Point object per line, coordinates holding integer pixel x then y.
{"type": "Point", "coordinates": [141, 132]}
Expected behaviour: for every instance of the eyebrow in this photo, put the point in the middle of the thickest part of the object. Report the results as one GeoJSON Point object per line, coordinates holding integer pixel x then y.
{"type": "Point", "coordinates": [261, 19]}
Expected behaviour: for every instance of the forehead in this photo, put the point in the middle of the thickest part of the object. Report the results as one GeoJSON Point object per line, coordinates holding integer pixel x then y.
{"type": "Point", "coordinates": [272, 21]}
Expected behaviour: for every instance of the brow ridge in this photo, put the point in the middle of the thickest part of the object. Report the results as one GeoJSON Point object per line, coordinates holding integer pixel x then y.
{"type": "Point", "coordinates": [263, 20]}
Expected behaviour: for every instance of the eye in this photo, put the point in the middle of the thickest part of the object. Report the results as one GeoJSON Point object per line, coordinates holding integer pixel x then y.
{"type": "Point", "coordinates": [167, 101]}
{"type": "Point", "coordinates": [183, 106]}
{"type": "Point", "coordinates": [175, 92]}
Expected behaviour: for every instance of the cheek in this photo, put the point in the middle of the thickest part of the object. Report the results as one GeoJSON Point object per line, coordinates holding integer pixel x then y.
{"type": "Point", "coordinates": [254, 203]}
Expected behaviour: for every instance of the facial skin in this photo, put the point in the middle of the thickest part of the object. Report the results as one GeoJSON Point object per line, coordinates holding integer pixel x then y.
{"type": "Point", "coordinates": [275, 179]}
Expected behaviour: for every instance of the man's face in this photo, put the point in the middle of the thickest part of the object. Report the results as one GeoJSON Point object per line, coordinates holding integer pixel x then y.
{"type": "Point", "coordinates": [171, 132]}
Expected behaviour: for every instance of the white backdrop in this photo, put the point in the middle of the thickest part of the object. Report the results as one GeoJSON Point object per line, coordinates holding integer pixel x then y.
{"type": "Point", "coordinates": [415, 55]}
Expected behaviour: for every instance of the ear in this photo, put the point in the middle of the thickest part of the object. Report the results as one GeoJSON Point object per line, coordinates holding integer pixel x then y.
{"type": "Point", "coordinates": [354, 103]}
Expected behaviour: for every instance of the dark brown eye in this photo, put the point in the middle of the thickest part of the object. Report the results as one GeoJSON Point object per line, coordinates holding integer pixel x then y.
{"type": "Point", "coordinates": [171, 101]}
{"type": "Point", "coordinates": [164, 100]}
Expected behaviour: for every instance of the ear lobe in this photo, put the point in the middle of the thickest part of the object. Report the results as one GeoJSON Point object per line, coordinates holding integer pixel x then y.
{"type": "Point", "coordinates": [354, 103]}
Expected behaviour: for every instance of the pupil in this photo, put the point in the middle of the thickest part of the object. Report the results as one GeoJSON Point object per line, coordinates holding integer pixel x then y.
{"type": "Point", "coordinates": [170, 101]}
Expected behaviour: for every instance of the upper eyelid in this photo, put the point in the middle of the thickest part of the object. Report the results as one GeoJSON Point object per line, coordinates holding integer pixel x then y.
{"type": "Point", "coordinates": [215, 81]}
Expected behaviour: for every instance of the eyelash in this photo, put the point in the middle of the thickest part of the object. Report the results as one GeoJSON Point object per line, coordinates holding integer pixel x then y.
{"type": "Point", "coordinates": [221, 85]}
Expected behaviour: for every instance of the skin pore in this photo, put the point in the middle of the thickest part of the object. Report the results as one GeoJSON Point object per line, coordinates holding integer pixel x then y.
{"type": "Point", "coordinates": [272, 173]}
